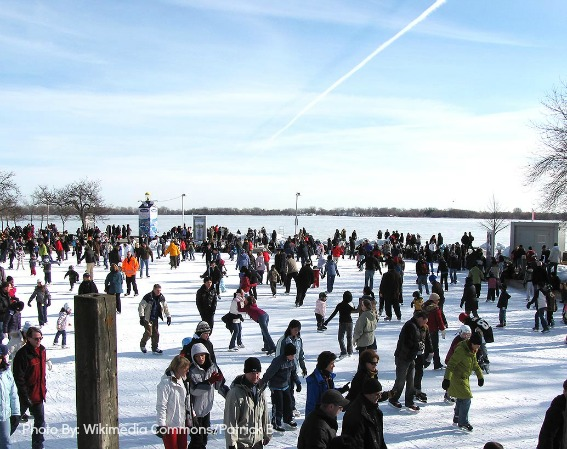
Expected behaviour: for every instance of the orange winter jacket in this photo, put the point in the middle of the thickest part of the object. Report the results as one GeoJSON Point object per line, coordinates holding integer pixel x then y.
{"type": "Point", "coordinates": [130, 266]}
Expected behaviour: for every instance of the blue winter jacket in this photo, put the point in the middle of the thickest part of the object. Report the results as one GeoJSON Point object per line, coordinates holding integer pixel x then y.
{"type": "Point", "coordinates": [316, 386]}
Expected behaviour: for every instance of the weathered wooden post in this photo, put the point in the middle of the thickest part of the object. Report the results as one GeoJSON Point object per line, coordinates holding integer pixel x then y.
{"type": "Point", "coordinates": [96, 371]}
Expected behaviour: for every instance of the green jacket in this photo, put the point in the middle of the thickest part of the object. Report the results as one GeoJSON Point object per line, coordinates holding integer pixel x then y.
{"type": "Point", "coordinates": [476, 274]}
{"type": "Point", "coordinates": [461, 365]}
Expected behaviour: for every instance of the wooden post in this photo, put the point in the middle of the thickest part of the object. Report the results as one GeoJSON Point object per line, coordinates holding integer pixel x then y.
{"type": "Point", "coordinates": [96, 371]}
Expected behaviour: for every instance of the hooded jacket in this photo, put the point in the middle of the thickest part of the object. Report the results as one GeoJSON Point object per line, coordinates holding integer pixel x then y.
{"type": "Point", "coordinates": [202, 392]}
{"type": "Point", "coordinates": [364, 328]}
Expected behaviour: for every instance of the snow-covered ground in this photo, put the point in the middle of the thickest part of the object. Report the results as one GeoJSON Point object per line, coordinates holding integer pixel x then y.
{"type": "Point", "coordinates": [527, 368]}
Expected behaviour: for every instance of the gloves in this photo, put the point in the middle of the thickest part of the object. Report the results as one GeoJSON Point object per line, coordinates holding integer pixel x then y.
{"type": "Point", "coordinates": [49, 365]}
{"type": "Point", "coordinates": [421, 347]}
{"type": "Point", "coordinates": [446, 383]}
{"type": "Point", "coordinates": [345, 388]}
{"type": "Point", "coordinates": [304, 373]}
{"type": "Point", "coordinates": [14, 422]}
{"type": "Point", "coordinates": [142, 321]}
{"type": "Point", "coordinates": [411, 304]}
{"type": "Point", "coordinates": [169, 321]}
{"type": "Point", "coordinates": [27, 401]}
{"type": "Point", "coordinates": [527, 305]}
{"type": "Point", "coordinates": [215, 377]}
{"type": "Point", "coordinates": [443, 334]}
{"type": "Point", "coordinates": [480, 382]}
{"type": "Point", "coordinates": [298, 387]}
{"type": "Point", "coordinates": [29, 304]}
{"type": "Point", "coordinates": [161, 431]}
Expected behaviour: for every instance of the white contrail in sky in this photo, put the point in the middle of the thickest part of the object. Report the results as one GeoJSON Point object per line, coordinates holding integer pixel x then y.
{"type": "Point", "coordinates": [361, 64]}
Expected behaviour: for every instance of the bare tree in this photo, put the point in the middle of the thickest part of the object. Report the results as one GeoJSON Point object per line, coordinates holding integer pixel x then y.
{"type": "Point", "coordinates": [45, 196]}
{"type": "Point", "coordinates": [9, 194]}
{"type": "Point", "coordinates": [549, 168]}
{"type": "Point", "coordinates": [494, 223]}
{"type": "Point", "coordinates": [85, 199]}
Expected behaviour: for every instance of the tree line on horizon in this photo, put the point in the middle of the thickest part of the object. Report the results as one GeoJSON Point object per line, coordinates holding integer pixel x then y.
{"type": "Point", "coordinates": [83, 199]}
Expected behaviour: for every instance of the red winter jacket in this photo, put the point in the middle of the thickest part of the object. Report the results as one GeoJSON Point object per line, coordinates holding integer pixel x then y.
{"type": "Point", "coordinates": [29, 373]}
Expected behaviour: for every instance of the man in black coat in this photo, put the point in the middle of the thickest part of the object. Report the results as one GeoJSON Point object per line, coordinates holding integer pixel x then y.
{"type": "Point", "coordinates": [553, 433]}
{"type": "Point", "coordinates": [409, 345]}
{"type": "Point", "coordinates": [363, 420]}
{"type": "Point", "coordinates": [305, 278]}
{"type": "Point", "coordinates": [321, 426]}
{"type": "Point", "coordinates": [390, 288]}
{"type": "Point", "coordinates": [206, 299]}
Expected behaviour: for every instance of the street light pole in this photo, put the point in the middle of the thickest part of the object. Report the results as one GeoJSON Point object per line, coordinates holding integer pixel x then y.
{"type": "Point", "coordinates": [296, 221]}
{"type": "Point", "coordinates": [182, 210]}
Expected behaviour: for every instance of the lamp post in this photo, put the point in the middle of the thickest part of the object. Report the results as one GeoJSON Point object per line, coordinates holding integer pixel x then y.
{"type": "Point", "coordinates": [296, 222]}
{"type": "Point", "coordinates": [182, 210]}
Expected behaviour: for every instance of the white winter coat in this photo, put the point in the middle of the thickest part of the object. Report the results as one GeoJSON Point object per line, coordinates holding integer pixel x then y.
{"type": "Point", "coordinates": [171, 403]}
{"type": "Point", "coordinates": [9, 402]}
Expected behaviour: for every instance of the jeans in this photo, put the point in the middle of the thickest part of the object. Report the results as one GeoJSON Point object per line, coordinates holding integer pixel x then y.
{"type": "Point", "coordinates": [63, 334]}
{"type": "Point", "coordinates": [462, 407]}
{"type": "Point", "coordinates": [453, 275]}
{"type": "Point", "coordinates": [435, 343]}
{"type": "Point", "coordinates": [540, 314]}
{"type": "Point", "coordinates": [369, 278]}
{"type": "Point", "coordinates": [146, 263]}
{"type": "Point", "coordinates": [41, 314]}
{"type": "Point", "coordinates": [263, 321]}
{"type": "Point", "coordinates": [330, 282]}
{"type": "Point", "coordinates": [502, 315]}
{"type": "Point", "coordinates": [5, 434]}
{"type": "Point", "coordinates": [236, 338]}
{"type": "Point", "coordinates": [422, 280]}
{"type": "Point", "coordinates": [345, 328]}
{"type": "Point", "coordinates": [418, 372]}
{"type": "Point", "coordinates": [405, 373]}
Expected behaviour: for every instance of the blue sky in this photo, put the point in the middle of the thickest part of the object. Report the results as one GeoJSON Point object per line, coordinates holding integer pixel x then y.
{"type": "Point", "coordinates": [184, 96]}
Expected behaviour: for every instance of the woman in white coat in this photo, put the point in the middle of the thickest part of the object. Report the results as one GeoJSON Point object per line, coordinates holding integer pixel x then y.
{"type": "Point", "coordinates": [171, 405]}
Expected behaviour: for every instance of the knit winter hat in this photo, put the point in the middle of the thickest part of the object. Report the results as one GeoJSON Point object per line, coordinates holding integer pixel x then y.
{"type": "Point", "coordinates": [462, 317]}
{"type": "Point", "coordinates": [252, 365]}
{"type": "Point", "coordinates": [371, 385]}
{"type": "Point", "coordinates": [465, 329]}
{"type": "Point", "coordinates": [290, 349]}
{"type": "Point", "coordinates": [347, 296]}
{"type": "Point", "coordinates": [434, 296]}
{"type": "Point", "coordinates": [202, 328]}
{"type": "Point", "coordinates": [493, 445]}
{"type": "Point", "coordinates": [432, 278]}
{"type": "Point", "coordinates": [476, 339]}
{"type": "Point", "coordinates": [324, 359]}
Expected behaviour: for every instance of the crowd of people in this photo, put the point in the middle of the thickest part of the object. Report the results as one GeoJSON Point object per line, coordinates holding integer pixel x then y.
{"type": "Point", "coordinates": [186, 391]}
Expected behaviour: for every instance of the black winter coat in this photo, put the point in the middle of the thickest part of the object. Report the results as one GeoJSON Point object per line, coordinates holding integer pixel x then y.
{"type": "Point", "coordinates": [408, 341]}
{"type": "Point", "coordinates": [364, 423]}
{"type": "Point", "coordinates": [469, 299]}
{"type": "Point", "coordinates": [551, 434]}
{"type": "Point", "coordinates": [317, 431]}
